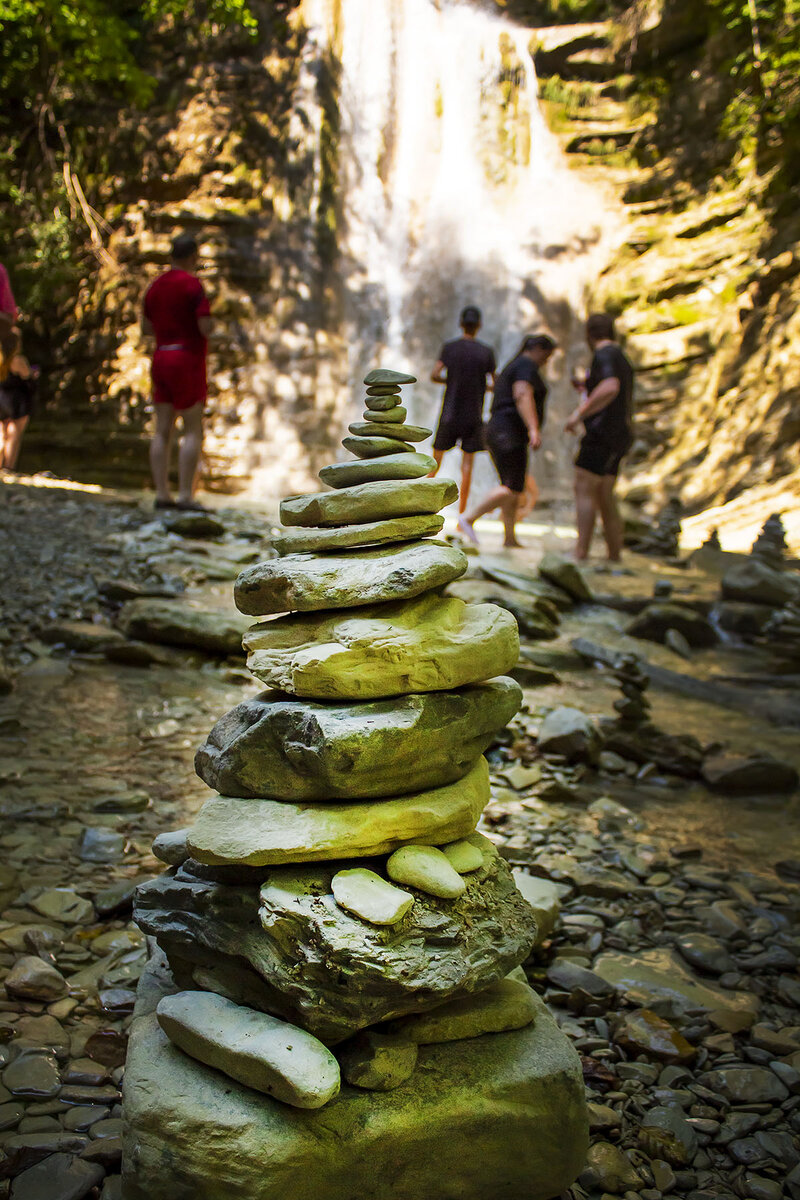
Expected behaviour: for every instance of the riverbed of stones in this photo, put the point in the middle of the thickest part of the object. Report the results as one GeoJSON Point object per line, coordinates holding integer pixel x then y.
{"type": "Point", "coordinates": [691, 1093]}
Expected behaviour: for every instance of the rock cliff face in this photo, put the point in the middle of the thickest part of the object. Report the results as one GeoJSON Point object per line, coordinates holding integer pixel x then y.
{"type": "Point", "coordinates": [244, 151]}
{"type": "Point", "coordinates": [707, 282]}
{"type": "Point", "coordinates": [232, 150]}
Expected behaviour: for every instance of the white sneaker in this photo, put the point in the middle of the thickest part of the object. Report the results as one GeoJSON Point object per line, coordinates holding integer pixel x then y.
{"type": "Point", "coordinates": [467, 531]}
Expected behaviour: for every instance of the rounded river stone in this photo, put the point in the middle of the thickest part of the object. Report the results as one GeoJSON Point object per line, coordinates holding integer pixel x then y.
{"type": "Point", "coordinates": [370, 897]}
{"type": "Point", "coordinates": [371, 533]}
{"type": "Point", "coordinates": [382, 402]}
{"type": "Point", "coordinates": [430, 643]}
{"type": "Point", "coordinates": [260, 1051]}
{"type": "Point", "coordinates": [369, 502]}
{"type": "Point", "coordinates": [387, 466]}
{"type": "Point", "coordinates": [426, 868]}
{"type": "Point", "coordinates": [275, 747]}
{"type": "Point", "coordinates": [394, 415]}
{"type": "Point", "coordinates": [308, 583]}
{"type": "Point", "coordinates": [386, 375]}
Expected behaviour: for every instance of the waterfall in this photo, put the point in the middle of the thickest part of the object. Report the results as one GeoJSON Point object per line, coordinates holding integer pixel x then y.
{"type": "Point", "coordinates": [453, 192]}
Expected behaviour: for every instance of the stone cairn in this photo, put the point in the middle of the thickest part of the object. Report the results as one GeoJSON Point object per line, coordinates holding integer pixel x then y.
{"type": "Point", "coordinates": [337, 999]}
{"type": "Point", "coordinates": [633, 707]}
{"type": "Point", "coordinates": [770, 546]}
{"type": "Point", "coordinates": [712, 542]}
{"type": "Point", "coordinates": [634, 736]}
{"type": "Point", "coordinates": [664, 540]}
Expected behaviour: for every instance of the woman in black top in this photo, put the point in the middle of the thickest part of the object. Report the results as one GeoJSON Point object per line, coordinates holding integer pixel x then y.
{"type": "Point", "coordinates": [17, 394]}
{"type": "Point", "coordinates": [605, 409]}
{"type": "Point", "coordinates": [515, 424]}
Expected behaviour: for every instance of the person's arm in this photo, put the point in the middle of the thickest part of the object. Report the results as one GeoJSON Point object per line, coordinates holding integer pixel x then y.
{"type": "Point", "coordinates": [522, 391]}
{"type": "Point", "coordinates": [205, 325]}
{"type": "Point", "coordinates": [439, 372]}
{"type": "Point", "coordinates": [147, 327]}
{"type": "Point", "coordinates": [490, 382]}
{"type": "Point", "coordinates": [599, 398]}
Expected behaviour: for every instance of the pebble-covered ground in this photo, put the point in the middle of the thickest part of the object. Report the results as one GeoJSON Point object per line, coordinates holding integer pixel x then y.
{"type": "Point", "coordinates": [672, 966]}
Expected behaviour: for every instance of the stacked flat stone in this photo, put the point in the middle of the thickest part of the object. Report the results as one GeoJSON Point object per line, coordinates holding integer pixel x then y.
{"type": "Point", "coordinates": [770, 546]}
{"type": "Point", "coordinates": [664, 540]}
{"type": "Point", "coordinates": [332, 922]}
{"type": "Point", "coordinates": [712, 542]}
{"type": "Point", "coordinates": [633, 707]}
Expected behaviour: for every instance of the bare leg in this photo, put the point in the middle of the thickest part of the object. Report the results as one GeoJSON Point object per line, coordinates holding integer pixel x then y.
{"type": "Point", "coordinates": [159, 450]}
{"type": "Point", "coordinates": [587, 495]}
{"type": "Point", "coordinates": [12, 440]}
{"type": "Point", "coordinates": [609, 515]}
{"type": "Point", "coordinates": [529, 498]}
{"type": "Point", "coordinates": [3, 442]}
{"type": "Point", "coordinates": [438, 455]}
{"type": "Point", "coordinates": [466, 480]}
{"type": "Point", "coordinates": [502, 498]}
{"type": "Point", "coordinates": [509, 506]}
{"type": "Point", "coordinates": [189, 452]}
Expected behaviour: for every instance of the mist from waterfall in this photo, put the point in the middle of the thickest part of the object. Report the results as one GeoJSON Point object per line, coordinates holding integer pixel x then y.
{"type": "Point", "coordinates": [454, 191]}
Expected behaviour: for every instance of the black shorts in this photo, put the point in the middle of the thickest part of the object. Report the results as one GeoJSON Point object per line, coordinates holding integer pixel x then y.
{"type": "Point", "coordinates": [449, 433]}
{"type": "Point", "coordinates": [509, 455]}
{"type": "Point", "coordinates": [600, 457]}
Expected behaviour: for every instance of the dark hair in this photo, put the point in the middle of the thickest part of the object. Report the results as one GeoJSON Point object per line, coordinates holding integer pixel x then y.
{"type": "Point", "coordinates": [537, 341]}
{"type": "Point", "coordinates": [183, 247]}
{"type": "Point", "coordinates": [600, 327]}
{"type": "Point", "coordinates": [470, 318]}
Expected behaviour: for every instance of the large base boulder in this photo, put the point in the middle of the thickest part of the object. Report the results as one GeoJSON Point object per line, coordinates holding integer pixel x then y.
{"type": "Point", "coordinates": [501, 1115]}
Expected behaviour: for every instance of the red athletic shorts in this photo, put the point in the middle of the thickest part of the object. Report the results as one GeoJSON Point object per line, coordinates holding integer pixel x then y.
{"type": "Point", "coordinates": [179, 378]}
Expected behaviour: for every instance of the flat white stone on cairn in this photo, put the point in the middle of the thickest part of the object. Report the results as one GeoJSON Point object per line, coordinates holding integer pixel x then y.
{"type": "Point", "coordinates": [333, 905]}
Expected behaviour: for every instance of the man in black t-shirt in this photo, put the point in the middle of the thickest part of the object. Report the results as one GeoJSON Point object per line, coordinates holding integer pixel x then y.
{"type": "Point", "coordinates": [466, 367]}
{"type": "Point", "coordinates": [605, 409]}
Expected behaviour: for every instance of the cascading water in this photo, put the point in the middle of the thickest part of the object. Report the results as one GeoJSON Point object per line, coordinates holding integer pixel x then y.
{"type": "Point", "coordinates": [454, 192]}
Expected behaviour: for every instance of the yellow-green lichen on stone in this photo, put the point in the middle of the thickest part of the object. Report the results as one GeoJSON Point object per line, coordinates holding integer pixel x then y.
{"type": "Point", "coordinates": [429, 643]}
{"type": "Point", "coordinates": [371, 533]}
{"type": "Point", "coordinates": [274, 746]}
{"type": "Point", "coordinates": [371, 426]}
{"type": "Point", "coordinates": [387, 466]}
{"type": "Point", "coordinates": [307, 583]}
{"type": "Point", "coordinates": [369, 502]}
{"type": "Point", "coordinates": [229, 830]}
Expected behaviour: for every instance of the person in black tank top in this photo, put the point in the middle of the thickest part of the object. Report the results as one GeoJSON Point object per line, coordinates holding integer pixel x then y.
{"type": "Point", "coordinates": [515, 424]}
{"type": "Point", "coordinates": [466, 367]}
{"type": "Point", "coordinates": [605, 409]}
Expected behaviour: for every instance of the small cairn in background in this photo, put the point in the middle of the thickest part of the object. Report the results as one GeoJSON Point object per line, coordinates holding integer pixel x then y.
{"type": "Point", "coordinates": [712, 542]}
{"type": "Point", "coordinates": [633, 707]}
{"type": "Point", "coordinates": [634, 736]}
{"type": "Point", "coordinates": [770, 546]}
{"type": "Point", "coordinates": [664, 540]}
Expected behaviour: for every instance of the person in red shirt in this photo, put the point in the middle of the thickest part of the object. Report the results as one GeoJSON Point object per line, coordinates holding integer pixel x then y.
{"type": "Point", "coordinates": [177, 314]}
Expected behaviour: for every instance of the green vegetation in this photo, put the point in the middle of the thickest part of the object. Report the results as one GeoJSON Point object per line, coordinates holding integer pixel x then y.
{"type": "Point", "coordinates": [64, 67]}
{"type": "Point", "coordinates": [763, 55]}
{"type": "Point", "coordinates": [574, 97]}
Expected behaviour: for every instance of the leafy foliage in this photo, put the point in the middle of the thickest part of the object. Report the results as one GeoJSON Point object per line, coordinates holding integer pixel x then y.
{"type": "Point", "coordinates": [65, 65]}
{"type": "Point", "coordinates": [763, 40]}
